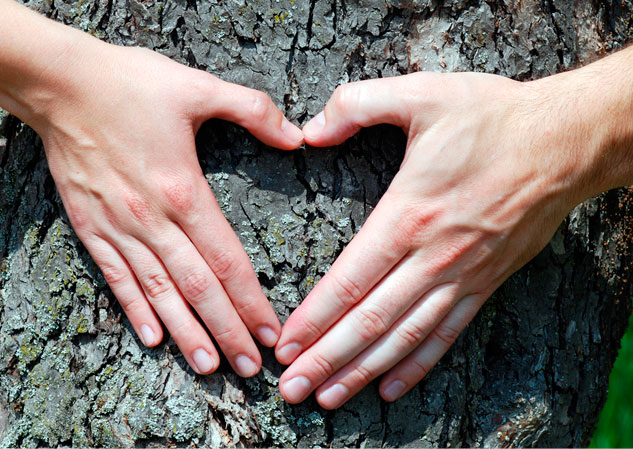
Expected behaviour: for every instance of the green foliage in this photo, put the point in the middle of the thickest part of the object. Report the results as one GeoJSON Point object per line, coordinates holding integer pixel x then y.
{"type": "Point", "coordinates": [615, 427]}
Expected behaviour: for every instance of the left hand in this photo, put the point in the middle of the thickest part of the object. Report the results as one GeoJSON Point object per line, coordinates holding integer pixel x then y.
{"type": "Point", "coordinates": [486, 179]}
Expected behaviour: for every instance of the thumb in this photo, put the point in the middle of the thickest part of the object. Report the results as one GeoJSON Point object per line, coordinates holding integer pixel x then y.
{"type": "Point", "coordinates": [357, 105]}
{"type": "Point", "coordinates": [254, 110]}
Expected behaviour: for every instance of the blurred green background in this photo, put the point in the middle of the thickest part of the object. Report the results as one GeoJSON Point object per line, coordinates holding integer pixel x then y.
{"type": "Point", "coordinates": [615, 427]}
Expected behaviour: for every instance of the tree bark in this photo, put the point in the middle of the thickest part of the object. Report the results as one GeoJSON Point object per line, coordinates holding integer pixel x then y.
{"type": "Point", "coordinates": [531, 369]}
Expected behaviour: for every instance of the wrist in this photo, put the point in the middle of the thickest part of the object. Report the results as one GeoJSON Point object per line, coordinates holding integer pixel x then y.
{"type": "Point", "coordinates": [585, 128]}
{"type": "Point", "coordinates": [39, 70]}
{"type": "Point", "coordinates": [579, 131]}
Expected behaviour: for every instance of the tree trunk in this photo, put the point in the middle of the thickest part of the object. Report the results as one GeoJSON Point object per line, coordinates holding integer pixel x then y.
{"type": "Point", "coordinates": [531, 369]}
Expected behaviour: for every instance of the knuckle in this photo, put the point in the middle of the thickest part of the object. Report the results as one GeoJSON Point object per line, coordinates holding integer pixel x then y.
{"type": "Point", "coordinates": [260, 106]}
{"type": "Point", "coordinates": [139, 207]}
{"type": "Point", "coordinates": [246, 308]}
{"type": "Point", "coordinates": [424, 86]}
{"type": "Point", "coordinates": [78, 218]}
{"type": "Point", "coordinates": [194, 286]}
{"type": "Point", "coordinates": [346, 290]}
{"type": "Point", "coordinates": [449, 254]}
{"type": "Point", "coordinates": [372, 322]}
{"type": "Point", "coordinates": [410, 334]}
{"type": "Point", "coordinates": [112, 274]}
{"type": "Point", "coordinates": [225, 337]}
{"type": "Point", "coordinates": [156, 285]}
{"type": "Point", "coordinates": [225, 266]}
{"type": "Point", "coordinates": [203, 85]}
{"type": "Point", "coordinates": [179, 195]}
{"type": "Point", "coordinates": [412, 223]}
{"type": "Point", "coordinates": [322, 365]}
{"type": "Point", "coordinates": [313, 328]}
{"type": "Point", "coordinates": [131, 306]}
{"type": "Point", "coordinates": [181, 332]}
{"type": "Point", "coordinates": [363, 375]}
{"type": "Point", "coordinates": [420, 368]}
{"type": "Point", "coordinates": [346, 97]}
{"type": "Point", "coordinates": [445, 333]}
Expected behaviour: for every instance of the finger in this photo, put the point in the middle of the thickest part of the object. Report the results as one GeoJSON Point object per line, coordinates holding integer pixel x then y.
{"type": "Point", "coordinates": [357, 330]}
{"type": "Point", "coordinates": [415, 367]}
{"type": "Point", "coordinates": [125, 287]}
{"type": "Point", "coordinates": [166, 300]}
{"type": "Point", "coordinates": [362, 264]}
{"type": "Point", "coordinates": [255, 111]}
{"type": "Point", "coordinates": [402, 338]}
{"type": "Point", "coordinates": [203, 291]}
{"type": "Point", "coordinates": [198, 214]}
{"type": "Point", "coordinates": [358, 105]}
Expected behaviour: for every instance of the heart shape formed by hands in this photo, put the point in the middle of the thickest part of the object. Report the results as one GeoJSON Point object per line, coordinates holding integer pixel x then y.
{"type": "Point", "coordinates": [456, 221]}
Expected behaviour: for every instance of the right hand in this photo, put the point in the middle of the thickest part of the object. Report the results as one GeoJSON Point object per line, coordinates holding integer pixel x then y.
{"type": "Point", "coordinates": [486, 179]}
{"type": "Point", "coordinates": [119, 134]}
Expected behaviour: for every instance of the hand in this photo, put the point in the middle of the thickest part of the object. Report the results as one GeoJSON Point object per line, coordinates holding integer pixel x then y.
{"type": "Point", "coordinates": [119, 139]}
{"type": "Point", "coordinates": [487, 177]}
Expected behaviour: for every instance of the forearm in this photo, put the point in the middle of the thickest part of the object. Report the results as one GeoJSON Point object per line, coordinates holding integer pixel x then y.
{"type": "Point", "coordinates": [37, 56]}
{"type": "Point", "coordinates": [591, 110]}
{"type": "Point", "coordinates": [612, 108]}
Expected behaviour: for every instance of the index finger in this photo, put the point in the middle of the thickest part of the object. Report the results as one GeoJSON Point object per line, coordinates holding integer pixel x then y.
{"type": "Point", "coordinates": [363, 263]}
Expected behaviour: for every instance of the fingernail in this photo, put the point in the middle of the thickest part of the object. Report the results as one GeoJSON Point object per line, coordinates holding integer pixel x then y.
{"type": "Point", "coordinates": [291, 131]}
{"type": "Point", "coordinates": [394, 391]}
{"type": "Point", "coordinates": [267, 336]}
{"type": "Point", "coordinates": [297, 388]}
{"type": "Point", "coordinates": [313, 128]}
{"type": "Point", "coordinates": [245, 366]}
{"type": "Point", "coordinates": [203, 361]}
{"type": "Point", "coordinates": [147, 335]}
{"type": "Point", "coordinates": [289, 352]}
{"type": "Point", "coordinates": [334, 396]}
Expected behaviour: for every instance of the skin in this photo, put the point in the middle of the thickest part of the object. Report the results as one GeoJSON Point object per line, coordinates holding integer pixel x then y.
{"type": "Point", "coordinates": [492, 167]}
{"type": "Point", "coordinates": [120, 145]}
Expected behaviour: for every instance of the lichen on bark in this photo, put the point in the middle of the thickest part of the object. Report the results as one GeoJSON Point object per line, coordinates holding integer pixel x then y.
{"type": "Point", "coordinates": [532, 368]}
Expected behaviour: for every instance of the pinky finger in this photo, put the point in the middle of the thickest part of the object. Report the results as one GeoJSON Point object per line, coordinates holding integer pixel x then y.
{"type": "Point", "coordinates": [412, 369]}
{"type": "Point", "coordinates": [127, 290]}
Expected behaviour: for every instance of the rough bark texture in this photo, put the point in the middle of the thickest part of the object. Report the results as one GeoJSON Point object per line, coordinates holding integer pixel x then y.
{"type": "Point", "coordinates": [532, 368]}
